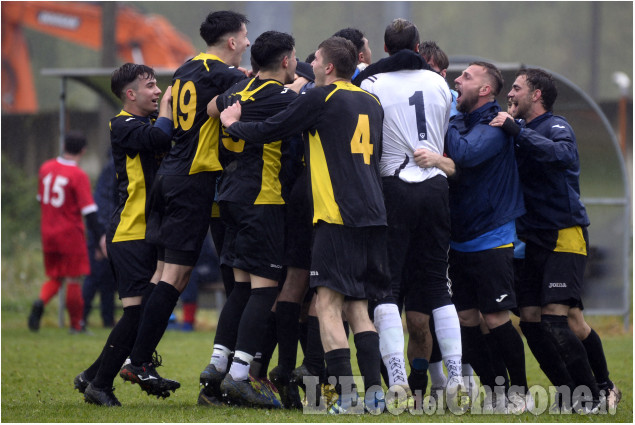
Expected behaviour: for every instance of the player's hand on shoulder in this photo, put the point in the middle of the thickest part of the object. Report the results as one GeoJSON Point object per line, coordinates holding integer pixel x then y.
{"type": "Point", "coordinates": [165, 107]}
{"type": "Point", "coordinates": [499, 119]}
{"type": "Point", "coordinates": [249, 73]}
{"type": "Point", "coordinates": [231, 114]}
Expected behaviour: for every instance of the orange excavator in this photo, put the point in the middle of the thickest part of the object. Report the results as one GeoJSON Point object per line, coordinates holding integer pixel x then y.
{"type": "Point", "coordinates": [139, 38]}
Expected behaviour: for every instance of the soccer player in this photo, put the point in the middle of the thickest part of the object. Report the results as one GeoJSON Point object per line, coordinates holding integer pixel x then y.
{"type": "Point", "coordinates": [485, 199]}
{"type": "Point", "coordinates": [416, 106]}
{"type": "Point", "coordinates": [65, 197]}
{"type": "Point", "coordinates": [438, 61]}
{"type": "Point", "coordinates": [364, 54]}
{"type": "Point", "coordinates": [137, 147]}
{"type": "Point", "coordinates": [342, 129]}
{"type": "Point", "coordinates": [182, 194]}
{"type": "Point", "coordinates": [555, 232]}
{"type": "Point", "coordinates": [251, 205]}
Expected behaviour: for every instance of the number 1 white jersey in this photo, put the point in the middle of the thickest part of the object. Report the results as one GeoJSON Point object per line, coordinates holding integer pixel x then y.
{"type": "Point", "coordinates": [416, 107]}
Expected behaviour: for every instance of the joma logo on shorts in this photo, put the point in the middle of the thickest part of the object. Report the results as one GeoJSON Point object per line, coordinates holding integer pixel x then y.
{"type": "Point", "coordinates": [557, 285]}
{"type": "Point", "coordinates": [275, 266]}
{"type": "Point", "coordinates": [314, 273]}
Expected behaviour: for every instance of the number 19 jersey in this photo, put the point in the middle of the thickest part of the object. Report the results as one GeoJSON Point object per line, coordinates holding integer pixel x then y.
{"type": "Point", "coordinates": [196, 134]}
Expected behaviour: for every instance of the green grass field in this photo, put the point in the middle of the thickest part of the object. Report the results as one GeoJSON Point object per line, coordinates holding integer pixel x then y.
{"type": "Point", "coordinates": [38, 371]}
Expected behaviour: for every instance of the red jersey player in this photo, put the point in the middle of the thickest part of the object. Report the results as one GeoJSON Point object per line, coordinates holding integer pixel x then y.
{"type": "Point", "coordinates": [65, 196]}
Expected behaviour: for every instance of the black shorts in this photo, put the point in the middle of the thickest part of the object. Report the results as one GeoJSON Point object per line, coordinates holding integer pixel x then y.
{"type": "Point", "coordinates": [133, 263]}
{"type": "Point", "coordinates": [254, 238]}
{"type": "Point", "coordinates": [350, 260]}
{"type": "Point", "coordinates": [180, 211]}
{"type": "Point", "coordinates": [420, 295]}
{"type": "Point", "coordinates": [550, 277]}
{"type": "Point", "coordinates": [299, 225]}
{"type": "Point", "coordinates": [418, 239]}
{"type": "Point", "coordinates": [483, 280]}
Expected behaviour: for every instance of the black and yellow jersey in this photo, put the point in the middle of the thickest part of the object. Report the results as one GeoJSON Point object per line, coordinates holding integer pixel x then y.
{"type": "Point", "coordinates": [343, 134]}
{"type": "Point", "coordinates": [252, 170]}
{"type": "Point", "coordinates": [137, 150]}
{"type": "Point", "coordinates": [196, 134]}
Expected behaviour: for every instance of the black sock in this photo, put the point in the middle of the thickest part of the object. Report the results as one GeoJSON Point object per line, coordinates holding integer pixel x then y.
{"type": "Point", "coordinates": [302, 335]}
{"type": "Point", "coordinates": [418, 378]}
{"type": "Point", "coordinates": [572, 351]}
{"type": "Point", "coordinates": [512, 351]}
{"type": "Point", "coordinates": [287, 330]}
{"type": "Point", "coordinates": [368, 357]}
{"type": "Point", "coordinates": [546, 354]}
{"type": "Point", "coordinates": [118, 346]}
{"type": "Point", "coordinates": [227, 273]}
{"type": "Point", "coordinates": [314, 357]}
{"type": "Point", "coordinates": [597, 360]}
{"type": "Point", "coordinates": [269, 345]}
{"type": "Point", "coordinates": [146, 294]}
{"type": "Point", "coordinates": [338, 364]}
{"type": "Point", "coordinates": [229, 319]}
{"type": "Point", "coordinates": [384, 372]}
{"type": "Point", "coordinates": [435, 356]}
{"type": "Point", "coordinates": [154, 321]}
{"type": "Point", "coordinates": [253, 322]}
{"type": "Point", "coordinates": [91, 371]}
{"type": "Point", "coordinates": [495, 358]}
{"type": "Point", "coordinates": [475, 346]}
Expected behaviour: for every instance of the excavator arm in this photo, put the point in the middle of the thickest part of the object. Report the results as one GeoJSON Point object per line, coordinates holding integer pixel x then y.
{"type": "Point", "coordinates": [139, 38]}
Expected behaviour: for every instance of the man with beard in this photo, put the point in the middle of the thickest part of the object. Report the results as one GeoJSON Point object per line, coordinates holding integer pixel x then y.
{"type": "Point", "coordinates": [485, 200]}
{"type": "Point", "coordinates": [555, 231]}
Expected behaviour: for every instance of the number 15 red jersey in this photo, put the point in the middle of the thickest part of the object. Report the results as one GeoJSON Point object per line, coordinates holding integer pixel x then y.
{"type": "Point", "coordinates": [65, 196]}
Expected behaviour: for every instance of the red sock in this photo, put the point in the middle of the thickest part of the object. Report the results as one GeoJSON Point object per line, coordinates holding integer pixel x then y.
{"type": "Point", "coordinates": [75, 304]}
{"type": "Point", "coordinates": [189, 311]}
{"type": "Point", "coordinates": [49, 289]}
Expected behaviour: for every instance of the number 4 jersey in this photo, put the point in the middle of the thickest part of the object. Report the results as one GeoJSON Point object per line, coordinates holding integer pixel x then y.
{"type": "Point", "coordinates": [65, 196]}
{"type": "Point", "coordinates": [342, 127]}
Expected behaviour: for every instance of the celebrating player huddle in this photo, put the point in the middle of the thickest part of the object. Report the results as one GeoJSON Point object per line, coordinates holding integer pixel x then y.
{"type": "Point", "coordinates": [348, 193]}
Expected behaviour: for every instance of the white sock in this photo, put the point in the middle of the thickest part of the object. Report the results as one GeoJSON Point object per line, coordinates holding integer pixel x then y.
{"type": "Point", "coordinates": [391, 343]}
{"type": "Point", "coordinates": [239, 369]}
{"type": "Point", "coordinates": [437, 376]}
{"type": "Point", "coordinates": [220, 356]}
{"type": "Point", "coordinates": [448, 330]}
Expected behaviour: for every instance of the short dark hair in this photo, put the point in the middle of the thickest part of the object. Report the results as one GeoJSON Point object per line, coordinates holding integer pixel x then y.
{"type": "Point", "coordinates": [538, 79]}
{"type": "Point", "coordinates": [269, 49]}
{"type": "Point", "coordinates": [126, 74]}
{"type": "Point", "coordinates": [353, 35]}
{"type": "Point", "coordinates": [342, 54]}
{"type": "Point", "coordinates": [430, 51]}
{"type": "Point", "coordinates": [493, 74]}
{"type": "Point", "coordinates": [74, 142]}
{"type": "Point", "coordinates": [401, 34]}
{"type": "Point", "coordinates": [217, 24]}
{"type": "Point", "coordinates": [310, 57]}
